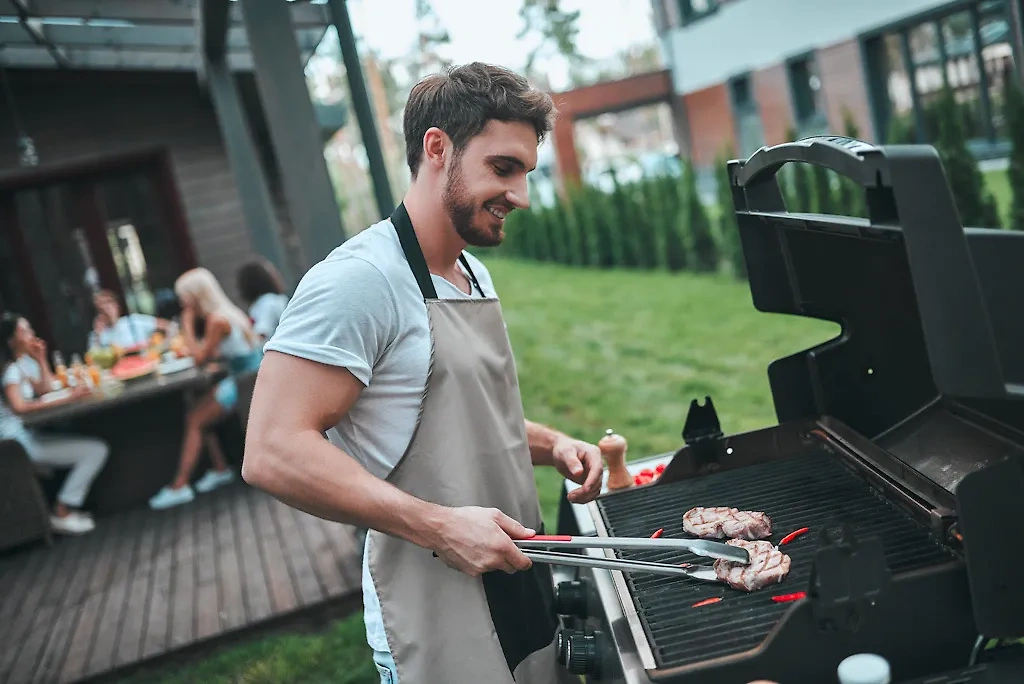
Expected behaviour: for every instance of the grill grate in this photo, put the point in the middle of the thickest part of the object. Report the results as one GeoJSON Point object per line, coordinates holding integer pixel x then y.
{"type": "Point", "coordinates": [815, 491]}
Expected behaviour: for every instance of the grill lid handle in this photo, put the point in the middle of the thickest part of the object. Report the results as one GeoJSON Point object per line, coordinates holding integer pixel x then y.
{"type": "Point", "coordinates": [857, 160]}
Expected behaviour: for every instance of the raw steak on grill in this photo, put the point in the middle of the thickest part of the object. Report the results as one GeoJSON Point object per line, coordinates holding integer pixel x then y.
{"type": "Point", "coordinates": [719, 522]}
{"type": "Point", "coordinates": [767, 566]}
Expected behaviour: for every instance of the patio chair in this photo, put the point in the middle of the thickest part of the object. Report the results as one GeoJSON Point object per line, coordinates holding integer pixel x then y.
{"type": "Point", "coordinates": [22, 503]}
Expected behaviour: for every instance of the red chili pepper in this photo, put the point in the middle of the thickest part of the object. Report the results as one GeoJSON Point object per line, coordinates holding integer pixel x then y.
{"type": "Point", "coordinates": [660, 469]}
{"type": "Point", "coordinates": [642, 479]}
{"type": "Point", "coordinates": [783, 598]}
{"type": "Point", "coordinates": [657, 533]}
{"type": "Point", "coordinates": [706, 602]}
{"type": "Point", "coordinates": [646, 472]}
{"type": "Point", "coordinates": [793, 535]}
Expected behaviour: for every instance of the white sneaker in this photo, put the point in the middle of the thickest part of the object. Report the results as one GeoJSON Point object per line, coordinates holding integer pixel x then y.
{"type": "Point", "coordinates": [72, 523]}
{"type": "Point", "coordinates": [168, 497]}
{"type": "Point", "coordinates": [213, 479]}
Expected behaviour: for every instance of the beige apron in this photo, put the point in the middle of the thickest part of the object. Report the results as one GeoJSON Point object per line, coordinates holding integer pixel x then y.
{"type": "Point", "coordinates": [469, 449]}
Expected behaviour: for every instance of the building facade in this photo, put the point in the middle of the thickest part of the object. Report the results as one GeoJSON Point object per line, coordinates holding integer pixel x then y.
{"type": "Point", "coordinates": [749, 73]}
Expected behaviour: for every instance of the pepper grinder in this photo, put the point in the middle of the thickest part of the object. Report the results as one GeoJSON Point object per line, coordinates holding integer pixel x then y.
{"type": "Point", "coordinates": [613, 448]}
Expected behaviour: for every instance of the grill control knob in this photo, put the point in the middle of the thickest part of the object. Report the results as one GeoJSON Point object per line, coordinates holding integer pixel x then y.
{"type": "Point", "coordinates": [561, 639]}
{"type": "Point", "coordinates": [582, 654]}
{"type": "Point", "coordinates": [571, 598]}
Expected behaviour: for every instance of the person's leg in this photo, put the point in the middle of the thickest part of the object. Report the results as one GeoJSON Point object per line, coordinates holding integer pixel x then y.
{"type": "Point", "coordinates": [204, 414]}
{"type": "Point", "coordinates": [226, 397]}
{"type": "Point", "coordinates": [86, 457]}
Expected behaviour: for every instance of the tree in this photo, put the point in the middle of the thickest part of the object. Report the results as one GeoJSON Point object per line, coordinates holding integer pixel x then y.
{"type": "Point", "coordinates": [432, 35]}
{"type": "Point", "coordinates": [1015, 123]}
{"type": "Point", "coordinates": [850, 195]}
{"type": "Point", "coordinates": [975, 204]}
{"type": "Point", "coordinates": [557, 30]}
{"type": "Point", "coordinates": [728, 229]}
{"type": "Point", "coordinates": [698, 224]}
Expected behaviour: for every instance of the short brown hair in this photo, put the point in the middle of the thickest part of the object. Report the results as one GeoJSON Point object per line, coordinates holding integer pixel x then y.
{"type": "Point", "coordinates": [463, 99]}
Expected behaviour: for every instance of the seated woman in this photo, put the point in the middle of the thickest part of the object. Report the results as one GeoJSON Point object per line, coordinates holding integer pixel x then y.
{"type": "Point", "coordinates": [229, 338]}
{"type": "Point", "coordinates": [262, 291]}
{"type": "Point", "coordinates": [110, 327]}
{"type": "Point", "coordinates": [26, 377]}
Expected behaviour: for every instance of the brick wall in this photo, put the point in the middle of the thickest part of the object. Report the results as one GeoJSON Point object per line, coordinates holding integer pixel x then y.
{"type": "Point", "coordinates": [711, 123]}
{"type": "Point", "coordinates": [843, 86]}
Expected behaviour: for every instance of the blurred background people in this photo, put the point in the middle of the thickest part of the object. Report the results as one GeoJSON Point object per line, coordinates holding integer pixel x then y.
{"type": "Point", "coordinates": [263, 292]}
{"type": "Point", "coordinates": [111, 327]}
{"type": "Point", "coordinates": [229, 338]}
{"type": "Point", "coordinates": [26, 378]}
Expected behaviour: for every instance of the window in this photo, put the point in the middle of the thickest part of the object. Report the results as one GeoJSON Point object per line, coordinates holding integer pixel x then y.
{"type": "Point", "coordinates": [805, 88]}
{"type": "Point", "coordinates": [694, 10]}
{"type": "Point", "coordinates": [968, 50]}
{"type": "Point", "coordinates": [749, 134]}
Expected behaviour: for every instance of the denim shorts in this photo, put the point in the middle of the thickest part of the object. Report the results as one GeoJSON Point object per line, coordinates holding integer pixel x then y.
{"type": "Point", "coordinates": [385, 667]}
{"type": "Point", "coordinates": [226, 393]}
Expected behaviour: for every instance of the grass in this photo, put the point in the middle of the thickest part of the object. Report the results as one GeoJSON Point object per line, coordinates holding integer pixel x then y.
{"type": "Point", "coordinates": [998, 183]}
{"type": "Point", "coordinates": [594, 349]}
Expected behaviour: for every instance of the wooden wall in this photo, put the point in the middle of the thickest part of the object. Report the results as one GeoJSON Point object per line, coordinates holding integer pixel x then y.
{"type": "Point", "coordinates": [73, 115]}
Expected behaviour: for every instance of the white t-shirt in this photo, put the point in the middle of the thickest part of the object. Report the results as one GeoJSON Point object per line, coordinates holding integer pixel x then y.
{"type": "Point", "coordinates": [128, 331]}
{"type": "Point", "coordinates": [266, 312]}
{"type": "Point", "coordinates": [23, 373]}
{"type": "Point", "coordinates": [361, 308]}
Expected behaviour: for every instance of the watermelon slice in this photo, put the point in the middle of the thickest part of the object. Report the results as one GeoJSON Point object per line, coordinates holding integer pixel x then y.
{"type": "Point", "coordinates": [131, 367]}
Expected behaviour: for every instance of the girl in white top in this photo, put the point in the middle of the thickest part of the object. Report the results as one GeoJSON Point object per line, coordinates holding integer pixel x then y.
{"type": "Point", "coordinates": [262, 290]}
{"type": "Point", "coordinates": [26, 378]}
{"type": "Point", "coordinates": [230, 338]}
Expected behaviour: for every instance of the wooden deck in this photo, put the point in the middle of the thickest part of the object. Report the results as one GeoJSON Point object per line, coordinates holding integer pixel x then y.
{"type": "Point", "coordinates": [146, 583]}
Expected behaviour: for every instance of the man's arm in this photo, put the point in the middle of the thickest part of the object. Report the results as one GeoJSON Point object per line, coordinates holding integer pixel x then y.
{"type": "Point", "coordinates": [294, 402]}
{"type": "Point", "coordinates": [576, 460]}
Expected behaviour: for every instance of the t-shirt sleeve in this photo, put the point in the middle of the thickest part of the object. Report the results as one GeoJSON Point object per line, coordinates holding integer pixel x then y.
{"type": "Point", "coordinates": [343, 313]}
{"type": "Point", "coordinates": [12, 375]}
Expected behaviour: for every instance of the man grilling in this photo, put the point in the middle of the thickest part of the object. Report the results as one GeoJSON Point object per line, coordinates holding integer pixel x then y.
{"type": "Point", "coordinates": [394, 346]}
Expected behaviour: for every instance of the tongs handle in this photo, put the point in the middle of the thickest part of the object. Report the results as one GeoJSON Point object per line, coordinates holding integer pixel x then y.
{"type": "Point", "coordinates": [700, 547]}
{"type": "Point", "coordinates": [580, 560]}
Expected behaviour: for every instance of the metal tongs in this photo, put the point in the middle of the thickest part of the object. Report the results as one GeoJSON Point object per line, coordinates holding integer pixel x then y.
{"type": "Point", "coordinates": [700, 547]}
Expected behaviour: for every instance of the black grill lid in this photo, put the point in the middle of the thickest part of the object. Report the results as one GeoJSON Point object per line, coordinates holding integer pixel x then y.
{"type": "Point", "coordinates": [930, 362]}
{"type": "Point", "coordinates": [917, 321]}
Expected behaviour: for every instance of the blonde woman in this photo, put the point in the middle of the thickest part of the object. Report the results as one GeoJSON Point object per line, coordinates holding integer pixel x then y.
{"type": "Point", "coordinates": [228, 338]}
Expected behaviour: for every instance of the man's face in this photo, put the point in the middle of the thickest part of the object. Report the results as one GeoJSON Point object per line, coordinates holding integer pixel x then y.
{"type": "Point", "coordinates": [107, 307]}
{"type": "Point", "coordinates": [488, 180]}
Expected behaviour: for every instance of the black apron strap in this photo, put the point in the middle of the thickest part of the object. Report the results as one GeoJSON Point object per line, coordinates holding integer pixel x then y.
{"type": "Point", "coordinates": [472, 276]}
{"type": "Point", "coordinates": [413, 252]}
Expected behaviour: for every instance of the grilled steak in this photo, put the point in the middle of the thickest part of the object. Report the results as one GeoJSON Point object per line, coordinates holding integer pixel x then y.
{"type": "Point", "coordinates": [767, 566]}
{"type": "Point", "coordinates": [719, 522]}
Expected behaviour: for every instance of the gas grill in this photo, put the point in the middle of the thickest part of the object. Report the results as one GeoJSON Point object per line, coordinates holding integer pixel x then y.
{"type": "Point", "coordinates": [899, 444]}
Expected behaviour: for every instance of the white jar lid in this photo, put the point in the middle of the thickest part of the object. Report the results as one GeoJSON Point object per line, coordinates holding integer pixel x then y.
{"type": "Point", "coordinates": [864, 668]}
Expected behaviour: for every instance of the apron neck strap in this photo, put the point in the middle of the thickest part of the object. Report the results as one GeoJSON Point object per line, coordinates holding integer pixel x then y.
{"type": "Point", "coordinates": [414, 254]}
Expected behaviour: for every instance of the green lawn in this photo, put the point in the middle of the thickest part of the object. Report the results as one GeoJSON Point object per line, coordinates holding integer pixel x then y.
{"type": "Point", "coordinates": [594, 349]}
{"type": "Point", "coordinates": [998, 183]}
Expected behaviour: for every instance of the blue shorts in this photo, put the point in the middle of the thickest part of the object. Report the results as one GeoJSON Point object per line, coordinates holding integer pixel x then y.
{"type": "Point", "coordinates": [226, 393]}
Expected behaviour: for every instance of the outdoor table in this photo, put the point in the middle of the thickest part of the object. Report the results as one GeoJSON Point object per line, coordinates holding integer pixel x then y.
{"type": "Point", "coordinates": [144, 425]}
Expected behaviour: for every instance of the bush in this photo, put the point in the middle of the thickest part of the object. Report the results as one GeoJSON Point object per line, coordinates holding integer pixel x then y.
{"type": "Point", "coordinates": [658, 222]}
{"type": "Point", "coordinates": [695, 217]}
{"type": "Point", "coordinates": [728, 230]}
{"type": "Point", "coordinates": [1015, 123]}
{"type": "Point", "coordinates": [975, 204]}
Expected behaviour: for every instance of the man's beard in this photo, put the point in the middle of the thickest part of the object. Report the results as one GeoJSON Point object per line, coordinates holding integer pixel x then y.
{"type": "Point", "coordinates": [461, 209]}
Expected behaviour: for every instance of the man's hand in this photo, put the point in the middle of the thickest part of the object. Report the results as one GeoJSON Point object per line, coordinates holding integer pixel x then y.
{"type": "Point", "coordinates": [476, 540]}
{"type": "Point", "coordinates": [580, 462]}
